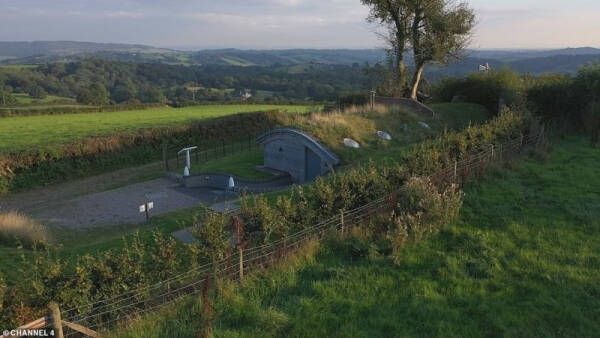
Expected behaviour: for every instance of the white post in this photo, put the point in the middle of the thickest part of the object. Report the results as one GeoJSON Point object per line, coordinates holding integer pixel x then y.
{"type": "Point", "coordinates": [187, 159]}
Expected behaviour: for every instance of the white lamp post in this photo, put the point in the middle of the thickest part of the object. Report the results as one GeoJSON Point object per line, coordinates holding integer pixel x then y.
{"type": "Point", "coordinates": [188, 162]}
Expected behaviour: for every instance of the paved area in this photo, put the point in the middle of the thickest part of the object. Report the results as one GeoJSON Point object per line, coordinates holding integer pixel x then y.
{"type": "Point", "coordinates": [121, 206]}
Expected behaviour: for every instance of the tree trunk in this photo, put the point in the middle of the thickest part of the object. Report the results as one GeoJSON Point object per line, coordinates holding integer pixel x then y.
{"type": "Point", "coordinates": [416, 80]}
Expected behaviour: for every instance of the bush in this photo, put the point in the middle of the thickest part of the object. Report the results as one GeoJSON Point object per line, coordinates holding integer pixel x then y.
{"type": "Point", "coordinates": [17, 227]}
{"type": "Point", "coordinates": [423, 211]}
{"type": "Point", "coordinates": [352, 100]}
{"type": "Point", "coordinates": [485, 89]}
{"type": "Point", "coordinates": [592, 122]}
{"type": "Point", "coordinates": [551, 96]}
{"type": "Point", "coordinates": [213, 237]}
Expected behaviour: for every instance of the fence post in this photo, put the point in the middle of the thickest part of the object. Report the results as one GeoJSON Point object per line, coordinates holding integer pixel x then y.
{"type": "Point", "coordinates": [455, 170]}
{"type": "Point", "coordinates": [54, 314]}
{"type": "Point", "coordinates": [165, 158]}
{"type": "Point", "coordinates": [492, 150]}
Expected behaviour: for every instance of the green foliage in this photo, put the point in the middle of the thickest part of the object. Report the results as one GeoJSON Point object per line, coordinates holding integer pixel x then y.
{"type": "Point", "coordinates": [592, 121]}
{"type": "Point", "coordinates": [568, 102]}
{"type": "Point", "coordinates": [423, 211]}
{"type": "Point", "coordinates": [96, 95]}
{"type": "Point", "coordinates": [213, 236]}
{"type": "Point", "coordinates": [352, 100]}
{"type": "Point", "coordinates": [6, 97]}
{"type": "Point", "coordinates": [551, 96]}
{"type": "Point", "coordinates": [431, 156]}
{"type": "Point", "coordinates": [485, 88]}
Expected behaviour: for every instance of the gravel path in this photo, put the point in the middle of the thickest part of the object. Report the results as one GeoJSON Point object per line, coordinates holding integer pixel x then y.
{"type": "Point", "coordinates": [121, 206]}
{"type": "Point", "coordinates": [85, 204]}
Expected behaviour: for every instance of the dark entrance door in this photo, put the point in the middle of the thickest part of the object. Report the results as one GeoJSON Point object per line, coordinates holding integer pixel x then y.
{"type": "Point", "coordinates": [313, 165]}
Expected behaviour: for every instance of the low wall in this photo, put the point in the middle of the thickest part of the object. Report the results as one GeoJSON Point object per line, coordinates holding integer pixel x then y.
{"type": "Point", "coordinates": [221, 181]}
{"type": "Point", "coordinates": [405, 103]}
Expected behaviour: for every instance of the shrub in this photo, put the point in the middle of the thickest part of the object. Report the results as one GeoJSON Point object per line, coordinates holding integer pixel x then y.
{"type": "Point", "coordinates": [592, 122]}
{"type": "Point", "coordinates": [352, 100]}
{"type": "Point", "coordinates": [483, 88]}
{"type": "Point", "coordinates": [551, 96]}
{"type": "Point", "coordinates": [213, 237]}
{"type": "Point", "coordinates": [423, 211]}
{"type": "Point", "coordinates": [15, 226]}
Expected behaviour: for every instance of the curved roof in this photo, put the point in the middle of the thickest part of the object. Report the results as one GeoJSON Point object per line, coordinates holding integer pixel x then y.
{"type": "Point", "coordinates": [315, 145]}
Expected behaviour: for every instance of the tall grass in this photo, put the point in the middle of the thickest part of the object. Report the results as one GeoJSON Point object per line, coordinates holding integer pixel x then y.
{"type": "Point", "coordinates": [15, 226]}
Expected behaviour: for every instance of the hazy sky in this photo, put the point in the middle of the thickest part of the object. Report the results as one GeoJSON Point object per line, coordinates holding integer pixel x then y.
{"type": "Point", "coordinates": [195, 24]}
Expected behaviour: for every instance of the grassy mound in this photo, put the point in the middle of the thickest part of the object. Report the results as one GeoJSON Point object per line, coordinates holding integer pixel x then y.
{"type": "Point", "coordinates": [521, 261]}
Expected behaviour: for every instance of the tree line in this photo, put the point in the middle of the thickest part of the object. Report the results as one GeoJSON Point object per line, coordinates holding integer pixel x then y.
{"type": "Point", "coordinates": [100, 82]}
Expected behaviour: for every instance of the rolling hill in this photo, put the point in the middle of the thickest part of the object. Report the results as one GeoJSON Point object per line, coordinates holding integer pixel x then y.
{"type": "Point", "coordinates": [525, 61]}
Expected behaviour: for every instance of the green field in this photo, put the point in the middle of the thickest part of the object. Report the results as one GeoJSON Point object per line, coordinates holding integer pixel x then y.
{"type": "Point", "coordinates": [31, 131]}
{"type": "Point", "coordinates": [240, 164]}
{"type": "Point", "coordinates": [522, 260]}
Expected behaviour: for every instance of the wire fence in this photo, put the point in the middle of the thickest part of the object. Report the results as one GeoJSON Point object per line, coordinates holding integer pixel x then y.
{"type": "Point", "coordinates": [105, 314]}
{"type": "Point", "coordinates": [211, 150]}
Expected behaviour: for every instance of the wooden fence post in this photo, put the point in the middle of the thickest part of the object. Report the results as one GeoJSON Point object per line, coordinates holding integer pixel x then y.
{"type": "Point", "coordinates": [54, 314]}
{"type": "Point", "coordinates": [492, 150]}
{"type": "Point", "coordinates": [455, 170]}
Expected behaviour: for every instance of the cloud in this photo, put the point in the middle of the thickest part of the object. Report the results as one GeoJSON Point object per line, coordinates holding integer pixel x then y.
{"type": "Point", "coordinates": [280, 23]}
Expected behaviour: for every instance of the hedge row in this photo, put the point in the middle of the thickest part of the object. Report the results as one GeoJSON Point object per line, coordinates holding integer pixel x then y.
{"type": "Point", "coordinates": [421, 209]}
{"type": "Point", "coordinates": [31, 111]}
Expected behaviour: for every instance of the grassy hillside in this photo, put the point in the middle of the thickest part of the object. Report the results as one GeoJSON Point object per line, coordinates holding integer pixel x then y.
{"type": "Point", "coordinates": [27, 132]}
{"type": "Point", "coordinates": [522, 260]}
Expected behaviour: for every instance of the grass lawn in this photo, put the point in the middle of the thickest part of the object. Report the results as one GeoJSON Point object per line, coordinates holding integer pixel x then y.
{"type": "Point", "coordinates": [30, 131]}
{"type": "Point", "coordinates": [240, 164]}
{"type": "Point", "coordinates": [522, 260]}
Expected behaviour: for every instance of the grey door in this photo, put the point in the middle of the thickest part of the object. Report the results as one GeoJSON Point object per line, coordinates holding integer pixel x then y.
{"type": "Point", "coordinates": [313, 165]}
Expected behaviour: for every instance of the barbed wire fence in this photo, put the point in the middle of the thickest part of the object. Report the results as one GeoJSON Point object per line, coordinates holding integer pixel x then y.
{"type": "Point", "coordinates": [104, 314]}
